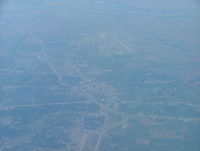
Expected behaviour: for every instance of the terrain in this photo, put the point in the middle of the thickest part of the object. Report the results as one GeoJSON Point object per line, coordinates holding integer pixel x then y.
{"type": "Point", "coordinates": [90, 75]}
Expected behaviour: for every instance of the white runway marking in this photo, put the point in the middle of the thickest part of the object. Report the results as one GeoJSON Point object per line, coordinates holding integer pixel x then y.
{"type": "Point", "coordinates": [122, 43]}
{"type": "Point", "coordinates": [83, 142]}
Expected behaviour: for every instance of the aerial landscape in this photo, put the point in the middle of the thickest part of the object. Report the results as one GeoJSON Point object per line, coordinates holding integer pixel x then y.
{"type": "Point", "coordinates": [99, 75]}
